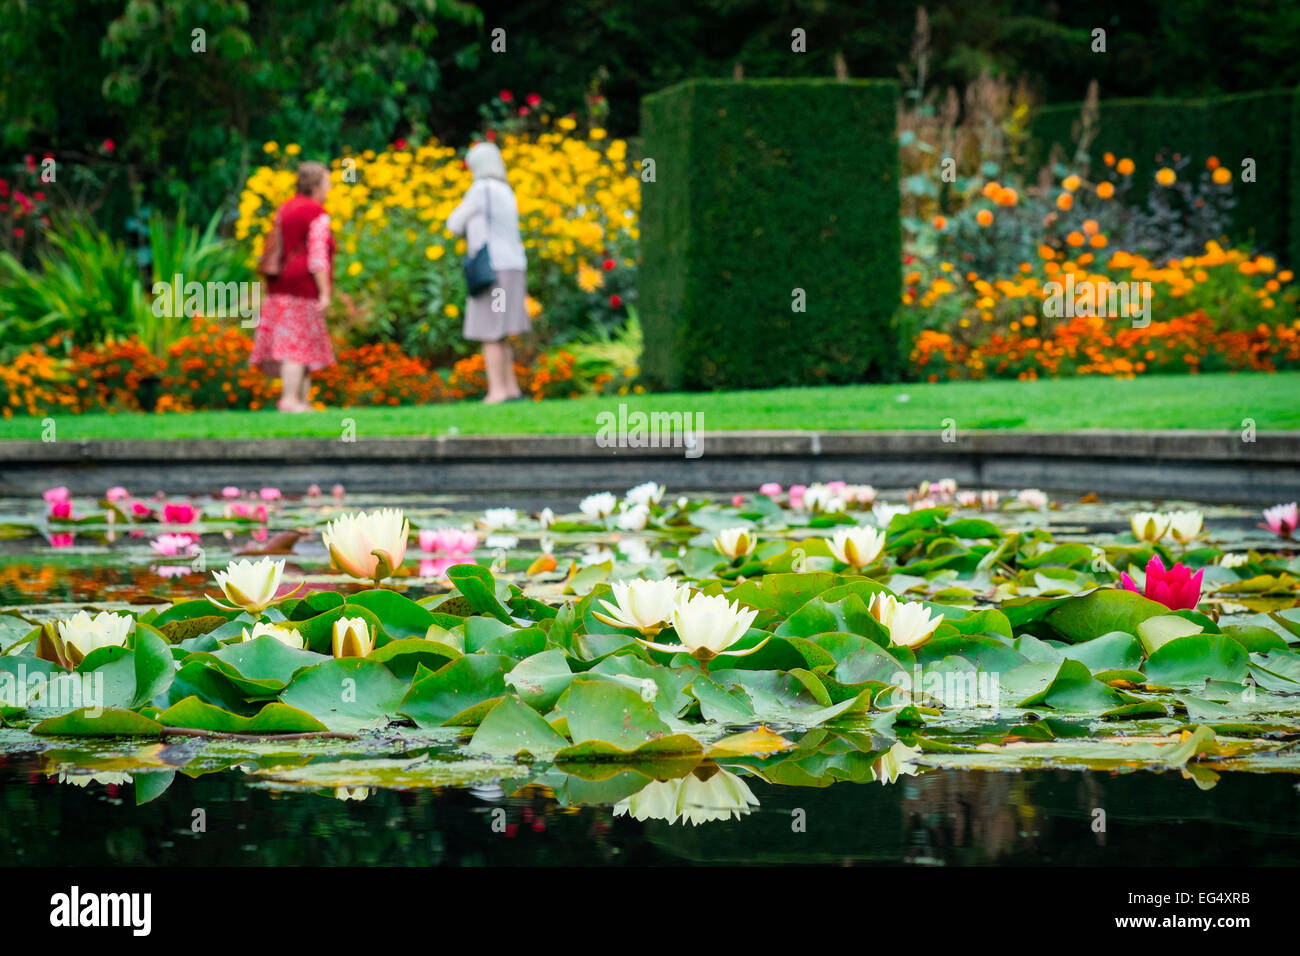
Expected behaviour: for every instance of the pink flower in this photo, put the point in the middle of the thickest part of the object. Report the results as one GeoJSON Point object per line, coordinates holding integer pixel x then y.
{"type": "Point", "coordinates": [230, 491]}
{"type": "Point", "coordinates": [61, 508]}
{"type": "Point", "coordinates": [117, 493]}
{"type": "Point", "coordinates": [270, 494]}
{"type": "Point", "coordinates": [534, 99]}
{"type": "Point", "coordinates": [1281, 520]}
{"type": "Point", "coordinates": [140, 509]}
{"type": "Point", "coordinates": [337, 491]}
{"type": "Point", "coordinates": [56, 494]}
{"type": "Point", "coordinates": [1176, 588]}
{"type": "Point", "coordinates": [505, 96]}
{"type": "Point", "coordinates": [737, 500]}
{"type": "Point", "coordinates": [835, 487]}
{"type": "Point", "coordinates": [171, 545]}
{"type": "Point", "coordinates": [447, 541]}
{"type": "Point", "coordinates": [313, 491]}
{"type": "Point", "coordinates": [769, 488]}
{"type": "Point", "coordinates": [62, 539]}
{"type": "Point", "coordinates": [796, 496]}
{"type": "Point", "coordinates": [179, 513]}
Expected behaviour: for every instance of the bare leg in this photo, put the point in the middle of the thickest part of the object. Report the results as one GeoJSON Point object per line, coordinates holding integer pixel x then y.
{"type": "Point", "coordinates": [304, 390]}
{"type": "Point", "coordinates": [291, 376]}
{"type": "Point", "coordinates": [509, 381]}
{"type": "Point", "coordinates": [492, 356]}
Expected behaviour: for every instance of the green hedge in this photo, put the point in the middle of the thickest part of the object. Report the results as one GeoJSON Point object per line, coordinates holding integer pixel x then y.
{"type": "Point", "coordinates": [762, 187]}
{"type": "Point", "coordinates": [1257, 125]}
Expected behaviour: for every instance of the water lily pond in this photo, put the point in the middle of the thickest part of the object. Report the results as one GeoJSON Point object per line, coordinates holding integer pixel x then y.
{"type": "Point", "coordinates": [824, 674]}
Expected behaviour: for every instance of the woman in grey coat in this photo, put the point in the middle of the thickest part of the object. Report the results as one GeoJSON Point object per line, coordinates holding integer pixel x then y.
{"type": "Point", "coordinates": [489, 214]}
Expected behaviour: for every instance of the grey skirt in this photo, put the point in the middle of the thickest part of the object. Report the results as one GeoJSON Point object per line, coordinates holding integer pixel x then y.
{"type": "Point", "coordinates": [499, 311]}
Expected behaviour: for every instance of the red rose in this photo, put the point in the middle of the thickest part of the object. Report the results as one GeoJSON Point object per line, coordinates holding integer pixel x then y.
{"type": "Point", "coordinates": [534, 99]}
{"type": "Point", "coordinates": [505, 96]}
{"type": "Point", "coordinates": [399, 144]}
{"type": "Point", "coordinates": [18, 233]}
{"type": "Point", "coordinates": [615, 301]}
{"type": "Point", "coordinates": [4, 188]}
{"type": "Point", "coordinates": [608, 265]}
{"type": "Point", "coordinates": [523, 111]}
{"type": "Point", "coordinates": [492, 135]}
{"type": "Point", "coordinates": [109, 145]}
{"type": "Point", "coordinates": [39, 197]}
{"type": "Point", "coordinates": [30, 161]}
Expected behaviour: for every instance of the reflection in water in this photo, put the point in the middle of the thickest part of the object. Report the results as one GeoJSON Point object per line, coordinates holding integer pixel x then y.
{"type": "Point", "coordinates": [705, 794]}
{"type": "Point", "coordinates": [938, 817]}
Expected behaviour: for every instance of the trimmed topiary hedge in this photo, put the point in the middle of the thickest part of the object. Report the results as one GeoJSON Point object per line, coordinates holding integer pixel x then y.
{"type": "Point", "coordinates": [1257, 125]}
{"type": "Point", "coordinates": [761, 188]}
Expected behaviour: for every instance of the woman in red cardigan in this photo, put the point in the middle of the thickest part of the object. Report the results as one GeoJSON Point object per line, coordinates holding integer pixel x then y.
{"type": "Point", "coordinates": [292, 340]}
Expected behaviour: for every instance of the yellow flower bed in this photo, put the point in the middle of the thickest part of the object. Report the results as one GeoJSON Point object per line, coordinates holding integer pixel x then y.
{"type": "Point", "coordinates": [576, 198]}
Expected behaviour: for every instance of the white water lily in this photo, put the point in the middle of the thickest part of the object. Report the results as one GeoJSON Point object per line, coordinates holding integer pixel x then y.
{"type": "Point", "coordinates": [1185, 526]}
{"type": "Point", "coordinates": [82, 633]}
{"type": "Point", "coordinates": [885, 513]}
{"type": "Point", "coordinates": [646, 606]}
{"type": "Point", "coordinates": [909, 623]}
{"type": "Point", "coordinates": [735, 542]}
{"type": "Point", "coordinates": [250, 585]}
{"type": "Point", "coordinates": [819, 497]}
{"type": "Point", "coordinates": [1033, 498]}
{"type": "Point", "coordinates": [645, 494]}
{"type": "Point", "coordinates": [352, 637]}
{"type": "Point", "coordinates": [635, 551]}
{"type": "Point", "coordinates": [857, 547]}
{"type": "Point", "coordinates": [285, 635]}
{"type": "Point", "coordinates": [895, 762]}
{"type": "Point", "coordinates": [1233, 559]}
{"type": "Point", "coordinates": [707, 625]}
{"type": "Point", "coordinates": [706, 793]}
{"type": "Point", "coordinates": [368, 544]}
{"type": "Point", "coordinates": [546, 518]}
{"type": "Point", "coordinates": [499, 519]}
{"type": "Point", "coordinates": [597, 507]}
{"type": "Point", "coordinates": [1149, 526]}
{"type": "Point", "coordinates": [634, 518]}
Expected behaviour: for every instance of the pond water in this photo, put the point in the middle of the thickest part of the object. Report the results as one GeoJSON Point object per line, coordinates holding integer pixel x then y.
{"type": "Point", "coordinates": [416, 798]}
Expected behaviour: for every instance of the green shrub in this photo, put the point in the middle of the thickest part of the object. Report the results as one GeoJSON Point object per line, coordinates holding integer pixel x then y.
{"type": "Point", "coordinates": [1255, 125]}
{"type": "Point", "coordinates": [761, 188]}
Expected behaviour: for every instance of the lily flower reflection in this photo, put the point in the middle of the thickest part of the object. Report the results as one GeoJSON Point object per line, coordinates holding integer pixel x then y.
{"type": "Point", "coordinates": [707, 793]}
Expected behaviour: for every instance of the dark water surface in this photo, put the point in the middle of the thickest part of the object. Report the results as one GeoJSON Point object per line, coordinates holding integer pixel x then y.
{"type": "Point", "coordinates": [940, 818]}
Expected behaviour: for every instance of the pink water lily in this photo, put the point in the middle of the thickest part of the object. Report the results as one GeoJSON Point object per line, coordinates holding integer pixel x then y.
{"type": "Point", "coordinates": [447, 541]}
{"type": "Point", "coordinates": [117, 493]}
{"type": "Point", "coordinates": [1282, 520]}
{"type": "Point", "coordinates": [313, 491]}
{"type": "Point", "coordinates": [270, 494]}
{"type": "Point", "coordinates": [1176, 588]}
{"type": "Point", "coordinates": [171, 545]}
{"type": "Point", "coordinates": [179, 513]}
{"type": "Point", "coordinates": [56, 494]}
{"type": "Point", "coordinates": [62, 539]}
{"type": "Point", "coordinates": [61, 508]}
{"type": "Point", "coordinates": [230, 491]}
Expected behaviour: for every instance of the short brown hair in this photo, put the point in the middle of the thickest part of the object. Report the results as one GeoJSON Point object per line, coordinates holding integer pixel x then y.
{"type": "Point", "coordinates": [310, 175]}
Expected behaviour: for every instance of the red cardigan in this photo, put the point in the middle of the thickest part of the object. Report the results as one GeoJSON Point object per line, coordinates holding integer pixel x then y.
{"type": "Point", "coordinates": [295, 278]}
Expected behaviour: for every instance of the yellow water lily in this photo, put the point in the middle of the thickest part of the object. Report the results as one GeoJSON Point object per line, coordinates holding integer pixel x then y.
{"type": "Point", "coordinates": [352, 637]}
{"type": "Point", "coordinates": [250, 585]}
{"type": "Point", "coordinates": [646, 606]}
{"type": "Point", "coordinates": [368, 544]}
{"type": "Point", "coordinates": [707, 625]}
{"type": "Point", "coordinates": [857, 547]}
{"type": "Point", "coordinates": [735, 542]}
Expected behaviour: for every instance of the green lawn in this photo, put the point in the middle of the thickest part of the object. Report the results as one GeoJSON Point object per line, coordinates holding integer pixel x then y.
{"type": "Point", "coordinates": [1191, 401]}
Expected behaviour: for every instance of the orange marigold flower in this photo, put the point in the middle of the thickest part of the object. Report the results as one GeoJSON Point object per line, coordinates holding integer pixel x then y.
{"type": "Point", "coordinates": [1065, 202]}
{"type": "Point", "coordinates": [1166, 177]}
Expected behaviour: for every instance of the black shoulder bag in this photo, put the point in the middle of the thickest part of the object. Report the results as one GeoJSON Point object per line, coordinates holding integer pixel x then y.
{"type": "Point", "coordinates": [479, 274]}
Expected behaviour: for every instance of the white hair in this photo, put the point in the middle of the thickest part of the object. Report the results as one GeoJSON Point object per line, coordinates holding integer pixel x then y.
{"type": "Point", "coordinates": [484, 161]}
